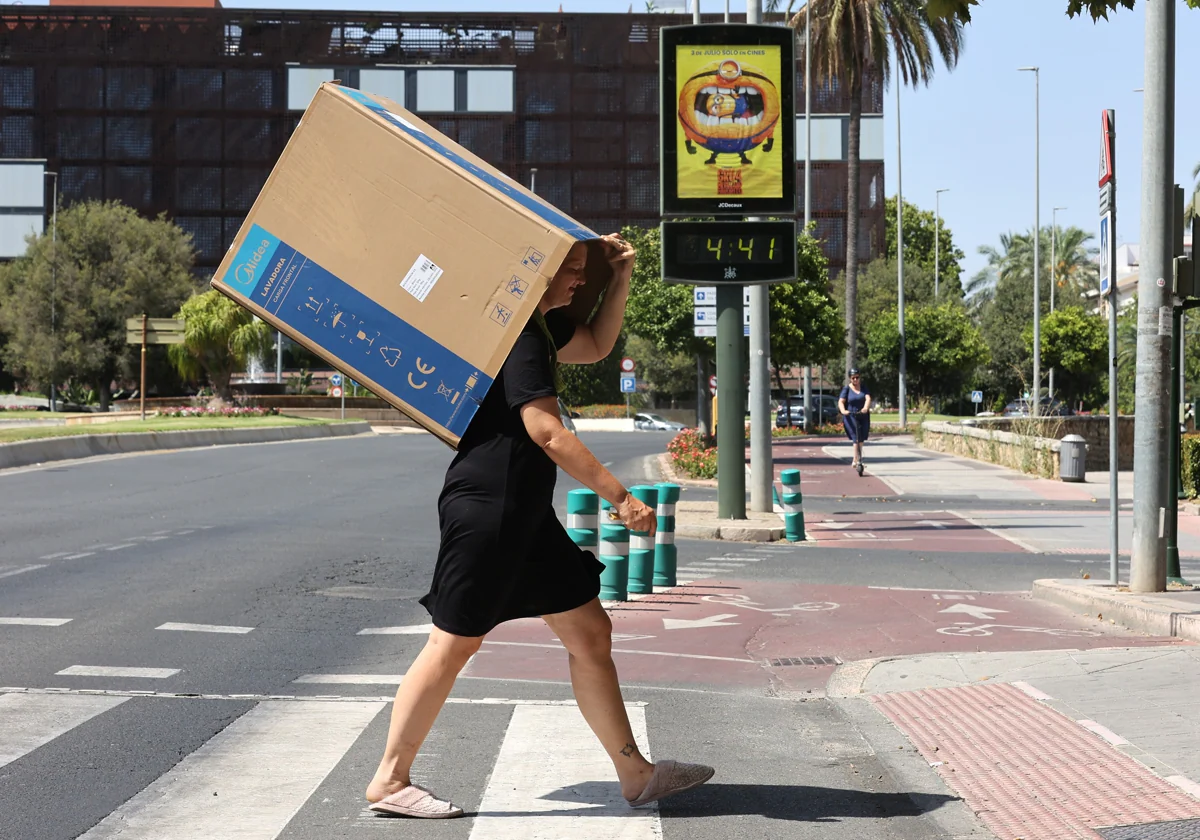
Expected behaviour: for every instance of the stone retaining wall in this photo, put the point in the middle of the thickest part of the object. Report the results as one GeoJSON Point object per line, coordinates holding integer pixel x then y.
{"type": "Point", "coordinates": [1033, 455]}
{"type": "Point", "coordinates": [1092, 428]}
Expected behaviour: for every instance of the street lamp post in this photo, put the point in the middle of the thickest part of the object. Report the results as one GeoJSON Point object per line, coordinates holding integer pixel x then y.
{"type": "Point", "coordinates": [1053, 275]}
{"type": "Point", "coordinates": [53, 284]}
{"type": "Point", "coordinates": [1035, 404]}
{"type": "Point", "coordinates": [937, 236]}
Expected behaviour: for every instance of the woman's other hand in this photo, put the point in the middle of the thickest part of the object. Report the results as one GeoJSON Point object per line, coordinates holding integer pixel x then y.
{"type": "Point", "coordinates": [637, 515]}
{"type": "Point", "coordinates": [619, 253]}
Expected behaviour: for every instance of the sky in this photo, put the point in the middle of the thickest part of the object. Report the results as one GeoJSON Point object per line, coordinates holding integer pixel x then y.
{"type": "Point", "coordinates": [972, 130]}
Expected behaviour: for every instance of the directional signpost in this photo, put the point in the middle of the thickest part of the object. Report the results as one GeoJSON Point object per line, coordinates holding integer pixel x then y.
{"type": "Point", "coordinates": [145, 331]}
{"type": "Point", "coordinates": [1108, 289]}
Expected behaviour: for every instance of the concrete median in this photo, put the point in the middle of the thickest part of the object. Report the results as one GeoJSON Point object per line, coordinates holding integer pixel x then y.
{"type": "Point", "coordinates": [44, 450]}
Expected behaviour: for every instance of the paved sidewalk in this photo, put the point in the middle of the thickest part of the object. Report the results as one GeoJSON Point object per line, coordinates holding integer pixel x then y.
{"type": "Point", "coordinates": [1047, 745]}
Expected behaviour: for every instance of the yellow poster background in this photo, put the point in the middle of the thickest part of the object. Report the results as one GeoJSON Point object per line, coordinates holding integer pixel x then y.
{"type": "Point", "coordinates": [728, 128]}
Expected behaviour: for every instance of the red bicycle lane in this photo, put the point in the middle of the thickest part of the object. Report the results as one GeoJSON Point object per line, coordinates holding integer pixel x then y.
{"type": "Point", "coordinates": [822, 474]}
{"type": "Point", "coordinates": [905, 530]}
{"type": "Point", "coordinates": [759, 636]}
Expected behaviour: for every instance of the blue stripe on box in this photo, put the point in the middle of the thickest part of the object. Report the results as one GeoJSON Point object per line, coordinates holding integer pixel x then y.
{"type": "Point", "coordinates": [351, 327]}
{"type": "Point", "coordinates": [545, 211]}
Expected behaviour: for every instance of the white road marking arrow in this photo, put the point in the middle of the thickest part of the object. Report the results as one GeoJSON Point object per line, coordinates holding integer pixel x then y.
{"type": "Point", "coordinates": [829, 523]}
{"type": "Point", "coordinates": [934, 523]}
{"type": "Point", "coordinates": [982, 613]}
{"type": "Point", "coordinates": [710, 621]}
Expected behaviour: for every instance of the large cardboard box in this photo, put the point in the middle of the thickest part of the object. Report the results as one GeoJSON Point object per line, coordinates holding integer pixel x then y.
{"type": "Point", "coordinates": [398, 257]}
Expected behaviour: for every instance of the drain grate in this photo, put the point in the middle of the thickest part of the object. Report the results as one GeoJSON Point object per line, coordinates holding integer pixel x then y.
{"type": "Point", "coordinates": [1174, 830]}
{"type": "Point", "coordinates": [805, 660]}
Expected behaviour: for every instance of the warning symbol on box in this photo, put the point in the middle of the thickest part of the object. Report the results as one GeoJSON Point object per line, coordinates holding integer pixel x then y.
{"type": "Point", "coordinates": [533, 259]}
{"type": "Point", "coordinates": [517, 287]}
{"type": "Point", "coordinates": [501, 314]}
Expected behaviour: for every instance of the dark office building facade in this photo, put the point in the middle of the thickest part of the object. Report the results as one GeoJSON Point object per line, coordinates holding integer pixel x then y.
{"type": "Point", "coordinates": [184, 111]}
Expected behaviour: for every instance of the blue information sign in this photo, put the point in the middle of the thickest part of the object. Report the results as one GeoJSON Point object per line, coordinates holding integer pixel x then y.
{"type": "Point", "coordinates": [628, 384]}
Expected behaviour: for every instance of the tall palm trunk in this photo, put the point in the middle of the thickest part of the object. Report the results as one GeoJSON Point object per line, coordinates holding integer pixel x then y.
{"type": "Point", "coordinates": [853, 133]}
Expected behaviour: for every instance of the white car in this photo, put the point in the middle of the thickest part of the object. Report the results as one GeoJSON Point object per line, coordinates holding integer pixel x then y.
{"type": "Point", "coordinates": [655, 423]}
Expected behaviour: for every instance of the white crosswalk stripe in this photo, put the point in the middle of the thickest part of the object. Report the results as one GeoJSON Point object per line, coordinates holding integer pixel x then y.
{"type": "Point", "coordinates": [719, 565]}
{"type": "Point", "coordinates": [252, 778]}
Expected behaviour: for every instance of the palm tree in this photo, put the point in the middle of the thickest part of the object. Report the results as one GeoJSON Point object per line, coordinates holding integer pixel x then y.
{"type": "Point", "coordinates": [851, 41]}
{"type": "Point", "coordinates": [219, 339]}
{"type": "Point", "coordinates": [1075, 268]}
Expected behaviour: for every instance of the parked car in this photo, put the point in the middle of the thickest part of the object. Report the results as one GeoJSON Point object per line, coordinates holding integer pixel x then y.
{"type": "Point", "coordinates": [1048, 408]}
{"type": "Point", "coordinates": [655, 423]}
{"type": "Point", "coordinates": [824, 407]}
{"type": "Point", "coordinates": [565, 414]}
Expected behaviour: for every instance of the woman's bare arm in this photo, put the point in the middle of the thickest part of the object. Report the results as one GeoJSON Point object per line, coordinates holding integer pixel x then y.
{"type": "Point", "coordinates": [594, 341]}
{"type": "Point", "coordinates": [545, 428]}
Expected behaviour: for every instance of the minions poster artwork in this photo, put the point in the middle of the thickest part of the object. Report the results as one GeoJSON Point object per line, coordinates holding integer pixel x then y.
{"type": "Point", "coordinates": [728, 117]}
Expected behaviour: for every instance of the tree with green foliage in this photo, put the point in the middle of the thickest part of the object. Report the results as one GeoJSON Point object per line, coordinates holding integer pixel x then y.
{"type": "Point", "coordinates": [64, 304]}
{"type": "Point", "coordinates": [944, 349]}
{"type": "Point", "coordinates": [961, 9]}
{"type": "Point", "coordinates": [670, 376]}
{"type": "Point", "coordinates": [806, 327]}
{"type": "Point", "coordinates": [851, 39]}
{"type": "Point", "coordinates": [1075, 343]}
{"type": "Point", "coordinates": [921, 227]}
{"type": "Point", "coordinates": [219, 338]}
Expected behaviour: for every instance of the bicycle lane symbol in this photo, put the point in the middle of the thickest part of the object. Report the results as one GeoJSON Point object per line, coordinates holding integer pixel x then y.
{"type": "Point", "coordinates": [744, 602]}
{"type": "Point", "coordinates": [969, 629]}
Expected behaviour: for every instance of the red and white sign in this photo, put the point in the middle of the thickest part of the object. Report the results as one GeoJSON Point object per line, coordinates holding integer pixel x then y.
{"type": "Point", "coordinates": [712, 385]}
{"type": "Point", "coordinates": [1106, 148]}
{"type": "Point", "coordinates": [628, 365]}
{"type": "Point", "coordinates": [335, 391]}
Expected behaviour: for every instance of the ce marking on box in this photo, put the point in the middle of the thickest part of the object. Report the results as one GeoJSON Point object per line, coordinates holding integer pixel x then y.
{"type": "Point", "coordinates": [533, 259]}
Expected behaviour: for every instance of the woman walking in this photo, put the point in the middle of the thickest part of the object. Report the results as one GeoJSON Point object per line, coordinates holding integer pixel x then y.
{"type": "Point", "coordinates": [855, 406]}
{"type": "Point", "coordinates": [505, 555]}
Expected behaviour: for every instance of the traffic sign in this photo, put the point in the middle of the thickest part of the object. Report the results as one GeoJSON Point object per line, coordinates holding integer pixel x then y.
{"type": "Point", "coordinates": [628, 365]}
{"type": "Point", "coordinates": [706, 315]}
{"type": "Point", "coordinates": [1107, 135]}
{"type": "Point", "coordinates": [712, 385]}
{"type": "Point", "coordinates": [709, 331]}
{"type": "Point", "coordinates": [335, 391]}
{"type": "Point", "coordinates": [977, 397]}
{"type": "Point", "coordinates": [628, 384]}
{"type": "Point", "coordinates": [1107, 280]}
{"type": "Point", "coordinates": [336, 379]}
{"type": "Point", "coordinates": [704, 295]}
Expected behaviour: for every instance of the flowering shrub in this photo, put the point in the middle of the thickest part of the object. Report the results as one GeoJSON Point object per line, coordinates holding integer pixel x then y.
{"type": "Point", "coordinates": [228, 411]}
{"type": "Point", "coordinates": [602, 412]}
{"type": "Point", "coordinates": [692, 455]}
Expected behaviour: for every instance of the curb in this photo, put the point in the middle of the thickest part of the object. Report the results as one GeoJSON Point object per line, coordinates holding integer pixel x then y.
{"type": "Point", "coordinates": [732, 533]}
{"type": "Point", "coordinates": [31, 452]}
{"type": "Point", "coordinates": [1142, 613]}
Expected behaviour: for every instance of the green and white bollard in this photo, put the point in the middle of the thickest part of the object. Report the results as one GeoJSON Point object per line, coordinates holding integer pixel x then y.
{"type": "Point", "coordinates": [641, 546]}
{"type": "Point", "coordinates": [793, 506]}
{"type": "Point", "coordinates": [665, 554]}
{"type": "Point", "coordinates": [583, 518]}
{"type": "Point", "coordinates": [614, 554]}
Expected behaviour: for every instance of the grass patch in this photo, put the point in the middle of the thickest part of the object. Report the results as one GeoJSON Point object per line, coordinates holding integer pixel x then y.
{"type": "Point", "coordinates": [25, 413]}
{"type": "Point", "coordinates": [157, 424]}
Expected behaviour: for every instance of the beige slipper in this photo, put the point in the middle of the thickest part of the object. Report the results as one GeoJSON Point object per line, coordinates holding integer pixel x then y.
{"type": "Point", "coordinates": [416, 801]}
{"type": "Point", "coordinates": [672, 777]}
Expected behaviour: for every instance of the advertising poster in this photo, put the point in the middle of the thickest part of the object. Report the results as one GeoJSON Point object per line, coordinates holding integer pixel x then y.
{"type": "Point", "coordinates": [729, 126]}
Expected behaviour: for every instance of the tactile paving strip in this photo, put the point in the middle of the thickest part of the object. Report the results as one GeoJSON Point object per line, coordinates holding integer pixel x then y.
{"type": "Point", "coordinates": [1028, 771]}
{"type": "Point", "coordinates": [1176, 830]}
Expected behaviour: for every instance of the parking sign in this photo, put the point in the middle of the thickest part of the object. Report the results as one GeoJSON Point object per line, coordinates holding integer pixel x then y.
{"type": "Point", "coordinates": [628, 384]}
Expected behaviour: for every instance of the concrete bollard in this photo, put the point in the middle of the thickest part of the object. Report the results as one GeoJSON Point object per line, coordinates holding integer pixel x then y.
{"type": "Point", "coordinates": [792, 503]}
{"type": "Point", "coordinates": [665, 555]}
{"type": "Point", "coordinates": [641, 546]}
{"type": "Point", "coordinates": [614, 554]}
{"type": "Point", "coordinates": [583, 518]}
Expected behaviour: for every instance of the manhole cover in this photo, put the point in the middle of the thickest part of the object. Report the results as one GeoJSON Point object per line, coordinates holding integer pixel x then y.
{"type": "Point", "coordinates": [370, 593]}
{"type": "Point", "coordinates": [806, 660]}
{"type": "Point", "coordinates": [1174, 830]}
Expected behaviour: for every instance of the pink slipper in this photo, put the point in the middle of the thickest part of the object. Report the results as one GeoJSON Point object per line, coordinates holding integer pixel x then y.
{"type": "Point", "coordinates": [672, 777]}
{"type": "Point", "coordinates": [416, 801]}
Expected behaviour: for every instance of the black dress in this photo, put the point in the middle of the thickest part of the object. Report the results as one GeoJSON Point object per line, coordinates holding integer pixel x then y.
{"type": "Point", "coordinates": [504, 554]}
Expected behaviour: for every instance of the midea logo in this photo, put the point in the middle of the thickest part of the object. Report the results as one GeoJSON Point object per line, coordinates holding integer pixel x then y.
{"type": "Point", "coordinates": [245, 272]}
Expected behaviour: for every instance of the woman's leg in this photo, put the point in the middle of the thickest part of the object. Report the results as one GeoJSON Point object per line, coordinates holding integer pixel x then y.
{"type": "Point", "coordinates": [586, 632]}
{"type": "Point", "coordinates": [419, 698]}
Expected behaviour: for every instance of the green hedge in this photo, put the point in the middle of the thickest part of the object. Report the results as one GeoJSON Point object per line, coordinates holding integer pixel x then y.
{"type": "Point", "coordinates": [1190, 465]}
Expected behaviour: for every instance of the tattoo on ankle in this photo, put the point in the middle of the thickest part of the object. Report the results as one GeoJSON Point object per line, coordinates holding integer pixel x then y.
{"type": "Point", "coordinates": [629, 750]}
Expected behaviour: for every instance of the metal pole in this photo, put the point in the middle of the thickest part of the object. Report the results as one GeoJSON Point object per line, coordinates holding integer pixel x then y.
{"type": "Point", "coordinates": [533, 180]}
{"type": "Point", "coordinates": [1114, 449]}
{"type": "Point", "coordinates": [727, 11]}
{"type": "Point", "coordinates": [808, 424]}
{"type": "Point", "coordinates": [1053, 275]}
{"type": "Point", "coordinates": [695, 11]}
{"type": "Point", "coordinates": [1148, 572]}
{"type": "Point", "coordinates": [142, 386]}
{"type": "Point", "coordinates": [1174, 444]}
{"type": "Point", "coordinates": [902, 388]}
{"type": "Point", "coordinates": [1036, 394]}
{"type": "Point", "coordinates": [731, 412]}
{"type": "Point", "coordinates": [278, 358]}
{"type": "Point", "coordinates": [53, 287]}
{"type": "Point", "coordinates": [762, 469]}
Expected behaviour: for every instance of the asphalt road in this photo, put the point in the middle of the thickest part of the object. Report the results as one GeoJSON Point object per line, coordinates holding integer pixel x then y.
{"type": "Point", "coordinates": [236, 575]}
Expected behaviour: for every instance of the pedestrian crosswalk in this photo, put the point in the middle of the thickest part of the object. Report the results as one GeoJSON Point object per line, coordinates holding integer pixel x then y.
{"type": "Point", "coordinates": [259, 776]}
{"type": "Point", "coordinates": [728, 564]}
